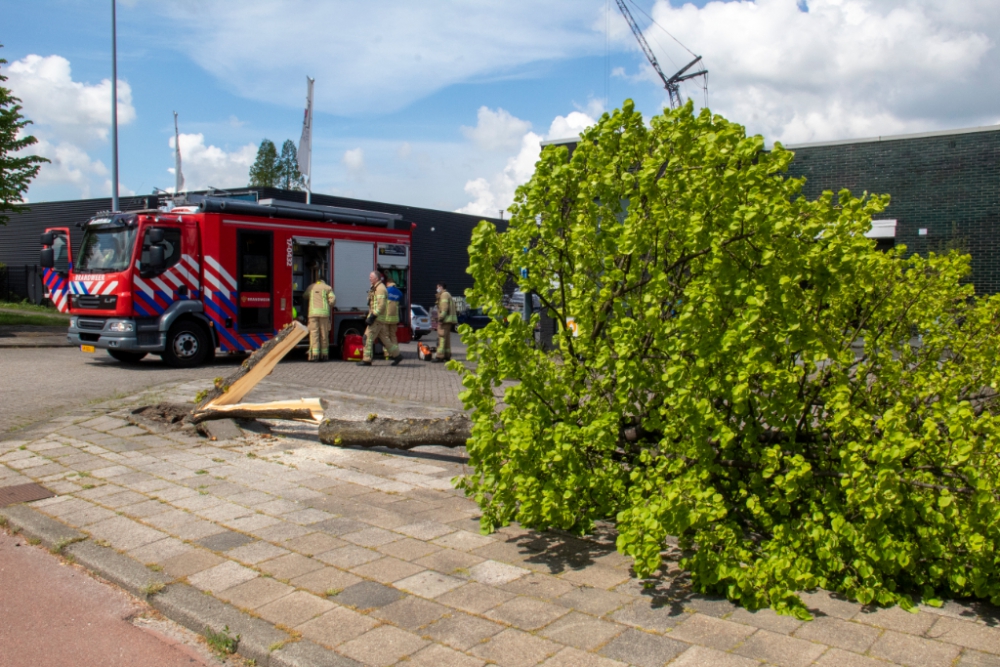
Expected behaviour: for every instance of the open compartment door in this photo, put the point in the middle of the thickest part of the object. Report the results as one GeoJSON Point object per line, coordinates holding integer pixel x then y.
{"type": "Point", "coordinates": [57, 261]}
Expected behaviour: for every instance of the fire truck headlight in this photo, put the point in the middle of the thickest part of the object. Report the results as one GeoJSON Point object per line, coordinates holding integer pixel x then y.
{"type": "Point", "coordinates": [121, 326]}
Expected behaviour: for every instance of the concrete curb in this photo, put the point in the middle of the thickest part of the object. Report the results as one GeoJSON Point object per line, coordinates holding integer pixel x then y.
{"type": "Point", "coordinates": [179, 602]}
{"type": "Point", "coordinates": [20, 346]}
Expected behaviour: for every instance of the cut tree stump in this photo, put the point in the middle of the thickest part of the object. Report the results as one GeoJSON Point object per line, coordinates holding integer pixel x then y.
{"type": "Point", "coordinates": [231, 390]}
{"type": "Point", "coordinates": [378, 431]}
{"type": "Point", "coordinates": [303, 409]}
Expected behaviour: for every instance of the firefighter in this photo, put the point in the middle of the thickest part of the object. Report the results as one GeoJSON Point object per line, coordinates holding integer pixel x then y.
{"type": "Point", "coordinates": [447, 319]}
{"type": "Point", "coordinates": [395, 297]}
{"type": "Point", "coordinates": [378, 324]}
{"type": "Point", "coordinates": [319, 298]}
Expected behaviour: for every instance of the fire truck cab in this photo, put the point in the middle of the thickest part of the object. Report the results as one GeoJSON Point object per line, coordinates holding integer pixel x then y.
{"type": "Point", "coordinates": [217, 274]}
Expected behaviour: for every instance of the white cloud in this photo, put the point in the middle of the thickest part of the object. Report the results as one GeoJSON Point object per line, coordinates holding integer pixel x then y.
{"type": "Point", "coordinates": [844, 68]}
{"type": "Point", "coordinates": [68, 109]}
{"type": "Point", "coordinates": [354, 160]}
{"type": "Point", "coordinates": [404, 151]}
{"type": "Point", "coordinates": [374, 57]}
{"type": "Point", "coordinates": [488, 196]}
{"type": "Point", "coordinates": [206, 165]}
{"type": "Point", "coordinates": [496, 130]}
{"type": "Point", "coordinates": [71, 118]}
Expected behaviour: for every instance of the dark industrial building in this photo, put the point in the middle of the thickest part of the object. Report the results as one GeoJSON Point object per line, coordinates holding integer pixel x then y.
{"type": "Point", "coordinates": [439, 249]}
{"type": "Point", "coordinates": [945, 189]}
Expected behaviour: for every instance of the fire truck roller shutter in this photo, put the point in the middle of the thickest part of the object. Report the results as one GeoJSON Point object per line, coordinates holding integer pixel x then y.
{"type": "Point", "coordinates": [352, 262]}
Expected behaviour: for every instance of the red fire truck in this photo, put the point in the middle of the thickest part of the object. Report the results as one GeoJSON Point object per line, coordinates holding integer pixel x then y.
{"type": "Point", "coordinates": [218, 274]}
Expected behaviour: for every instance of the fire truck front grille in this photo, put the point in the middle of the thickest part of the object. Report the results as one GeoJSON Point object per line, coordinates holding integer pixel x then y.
{"type": "Point", "coordinates": [106, 301]}
{"type": "Point", "coordinates": [93, 324]}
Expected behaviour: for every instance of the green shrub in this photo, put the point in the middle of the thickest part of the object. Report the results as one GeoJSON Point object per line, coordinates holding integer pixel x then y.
{"type": "Point", "coordinates": [750, 375]}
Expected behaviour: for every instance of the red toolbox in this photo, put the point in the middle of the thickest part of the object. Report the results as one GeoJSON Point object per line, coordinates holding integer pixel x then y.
{"type": "Point", "coordinates": [353, 348]}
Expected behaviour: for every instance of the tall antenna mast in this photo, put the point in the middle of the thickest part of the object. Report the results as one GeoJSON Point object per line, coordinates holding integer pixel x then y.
{"type": "Point", "coordinates": [670, 83]}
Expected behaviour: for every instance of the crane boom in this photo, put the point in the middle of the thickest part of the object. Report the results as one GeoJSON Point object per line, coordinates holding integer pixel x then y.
{"type": "Point", "coordinates": [670, 83]}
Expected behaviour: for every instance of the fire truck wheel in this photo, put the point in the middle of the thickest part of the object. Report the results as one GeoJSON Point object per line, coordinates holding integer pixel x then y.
{"type": "Point", "coordinates": [187, 345]}
{"type": "Point", "coordinates": [127, 357]}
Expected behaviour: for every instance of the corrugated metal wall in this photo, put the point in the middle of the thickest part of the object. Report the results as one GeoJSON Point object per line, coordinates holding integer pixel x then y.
{"type": "Point", "coordinates": [441, 254]}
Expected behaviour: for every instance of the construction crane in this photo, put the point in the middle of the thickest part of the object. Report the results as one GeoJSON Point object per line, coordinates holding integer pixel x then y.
{"type": "Point", "coordinates": [670, 83]}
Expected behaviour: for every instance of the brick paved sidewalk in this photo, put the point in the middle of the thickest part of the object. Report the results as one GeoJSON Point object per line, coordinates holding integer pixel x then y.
{"type": "Point", "coordinates": [374, 556]}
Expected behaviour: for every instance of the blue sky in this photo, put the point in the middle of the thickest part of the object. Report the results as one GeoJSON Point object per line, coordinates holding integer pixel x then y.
{"type": "Point", "coordinates": [442, 103]}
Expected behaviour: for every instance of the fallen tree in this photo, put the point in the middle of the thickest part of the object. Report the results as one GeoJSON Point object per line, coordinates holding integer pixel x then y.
{"type": "Point", "coordinates": [738, 367]}
{"type": "Point", "coordinates": [303, 409]}
{"type": "Point", "coordinates": [376, 431]}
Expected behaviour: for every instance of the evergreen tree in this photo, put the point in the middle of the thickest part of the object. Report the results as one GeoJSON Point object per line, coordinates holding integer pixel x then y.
{"type": "Point", "coordinates": [16, 172]}
{"type": "Point", "coordinates": [265, 172]}
{"type": "Point", "coordinates": [288, 166]}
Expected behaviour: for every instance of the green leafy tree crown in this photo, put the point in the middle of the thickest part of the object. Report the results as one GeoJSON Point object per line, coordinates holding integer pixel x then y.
{"type": "Point", "coordinates": [288, 167]}
{"type": "Point", "coordinates": [266, 169]}
{"type": "Point", "coordinates": [749, 375]}
{"type": "Point", "coordinates": [16, 170]}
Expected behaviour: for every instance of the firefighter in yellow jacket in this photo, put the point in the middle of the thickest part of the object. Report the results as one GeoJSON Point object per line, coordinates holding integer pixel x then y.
{"type": "Point", "coordinates": [447, 319]}
{"type": "Point", "coordinates": [319, 299]}
{"type": "Point", "coordinates": [378, 322]}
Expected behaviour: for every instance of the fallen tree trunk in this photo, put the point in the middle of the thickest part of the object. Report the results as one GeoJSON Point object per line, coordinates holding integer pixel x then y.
{"type": "Point", "coordinates": [303, 409]}
{"type": "Point", "coordinates": [397, 433]}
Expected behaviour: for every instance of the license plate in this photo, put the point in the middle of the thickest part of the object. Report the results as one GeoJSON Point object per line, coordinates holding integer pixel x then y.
{"type": "Point", "coordinates": [88, 348]}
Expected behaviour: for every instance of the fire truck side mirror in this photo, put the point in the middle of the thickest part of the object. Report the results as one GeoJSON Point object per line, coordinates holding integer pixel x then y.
{"type": "Point", "coordinates": [156, 258]}
{"type": "Point", "coordinates": [47, 260]}
{"type": "Point", "coordinates": [48, 238]}
{"type": "Point", "coordinates": [154, 236]}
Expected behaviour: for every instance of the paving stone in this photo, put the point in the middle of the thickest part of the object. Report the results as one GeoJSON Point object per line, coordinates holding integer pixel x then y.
{"type": "Point", "coordinates": [146, 509]}
{"type": "Point", "coordinates": [339, 526]}
{"type": "Point", "coordinates": [836, 657]}
{"type": "Point", "coordinates": [642, 649]}
{"type": "Point", "coordinates": [542, 586]}
{"type": "Point", "coordinates": [382, 646]}
{"type": "Point", "coordinates": [324, 580]}
{"type": "Point", "coordinates": [850, 636]}
{"type": "Point", "coordinates": [573, 657]}
{"type": "Point", "coordinates": [700, 656]}
{"type": "Point", "coordinates": [224, 512]}
{"type": "Point", "coordinates": [436, 655]}
{"type": "Point", "coordinates": [513, 648]}
{"type": "Point", "coordinates": [295, 609]}
{"type": "Point", "coordinates": [492, 573]}
{"type": "Point", "coordinates": [255, 593]}
{"type": "Point", "coordinates": [828, 604]}
{"type": "Point", "coordinates": [284, 532]}
{"type": "Point", "coordinates": [645, 615]}
{"type": "Point", "coordinates": [387, 570]}
{"type": "Point", "coordinates": [463, 540]}
{"type": "Point", "coordinates": [336, 627]}
{"type": "Point", "coordinates": [408, 549]}
{"type": "Point", "coordinates": [425, 530]}
{"type": "Point", "coordinates": [221, 577]}
{"type": "Point", "coordinates": [411, 613]}
{"type": "Point", "coordinates": [256, 552]}
{"type": "Point", "coordinates": [972, 658]}
{"type": "Point", "coordinates": [198, 502]}
{"type": "Point", "coordinates": [367, 595]}
{"type": "Point", "coordinates": [896, 618]}
{"type": "Point", "coordinates": [222, 430]}
{"type": "Point", "coordinates": [195, 529]}
{"type": "Point", "coordinates": [779, 649]}
{"type": "Point", "coordinates": [589, 600]}
{"type": "Point", "coordinates": [252, 524]}
{"type": "Point", "coordinates": [710, 606]}
{"type": "Point", "coordinates": [224, 541]}
{"type": "Point", "coordinates": [124, 533]}
{"type": "Point", "coordinates": [527, 613]}
{"type": "Point", "coordinates": [598, 577]}
{"type": "Point", "coordinates": [965, 633]}
{"type": "Point", "coordinates": [711, 632]}
{"type": "Point", "coordinates": [462, 631]}
{"type": "Point", "coordinates": [289, 566]}
{"type": "Point", "coordinates": [582, 631]}
{"type": "Point", "coordinates": [913, 651]}
{"type": "Point", "coordinates": [371, 537]}
{"type": "Point", "coordinates": [89, 516]}
{"type": "Point", "coordinates": [160, 551]}
{"type": "Point", "coordinates": [307, 516]}
{"type": "Point", "coordinates": [314, 543]}
{"type": "Point", "coordinates": [475, 598]}
{"type": "Point", "coordinates": [449, 561]}
{"type": "Point", "coordinates": [429, 584]}
{"type": "Point", "coordinates": [190, 563]}
{"type": "Point", "coordinates": [349, 556]}
{"type": "Point", "coordinates": [766, 619]}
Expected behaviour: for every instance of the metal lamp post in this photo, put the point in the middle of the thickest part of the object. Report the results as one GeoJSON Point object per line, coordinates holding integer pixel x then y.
{"type": "Point", "coordinates": [114, 111]}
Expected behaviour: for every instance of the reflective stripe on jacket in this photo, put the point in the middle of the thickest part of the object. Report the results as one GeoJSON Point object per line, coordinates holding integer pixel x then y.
{"type": "Point", "coordinates": [320, 298]}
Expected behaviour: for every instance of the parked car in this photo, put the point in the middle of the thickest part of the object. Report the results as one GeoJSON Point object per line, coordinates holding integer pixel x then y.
{"type": "Point", "coordinates": [474, 317]}
{"type": "Point", "coordinates": [420, 321]}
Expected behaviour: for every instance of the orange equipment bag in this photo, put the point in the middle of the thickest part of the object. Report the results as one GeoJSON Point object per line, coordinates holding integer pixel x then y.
{"type": "Point", "coordinates": [353, 348]}
{"type": "Point", "coordinates": [425, 353]}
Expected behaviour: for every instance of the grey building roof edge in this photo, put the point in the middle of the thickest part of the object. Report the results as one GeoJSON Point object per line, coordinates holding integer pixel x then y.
{"type": "Point", "coordinates": [560, 142]}
{"type": "Point", "coordinates": [897, 137]}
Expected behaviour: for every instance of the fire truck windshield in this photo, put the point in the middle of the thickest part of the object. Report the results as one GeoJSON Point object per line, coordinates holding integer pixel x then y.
{"type": "Point", "coordinates": [106, 248]}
